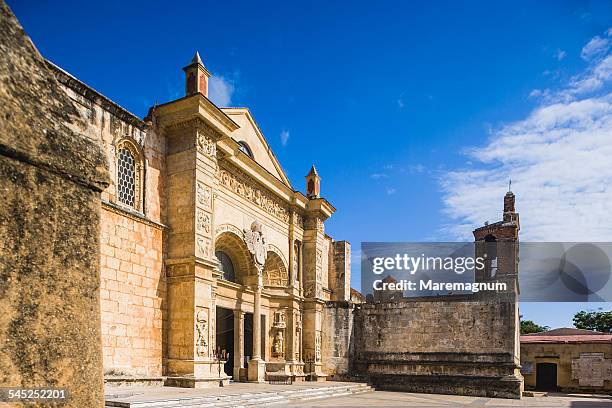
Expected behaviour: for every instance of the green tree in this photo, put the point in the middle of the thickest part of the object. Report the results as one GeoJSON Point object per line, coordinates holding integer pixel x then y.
{"type": "Point", "coordinates": [598, 321]}
{"type": "Point", "coordinates": [528, 326]}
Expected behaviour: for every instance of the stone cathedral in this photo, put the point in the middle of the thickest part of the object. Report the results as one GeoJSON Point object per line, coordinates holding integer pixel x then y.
{"type": "Point", "coordinates": [212, 265]}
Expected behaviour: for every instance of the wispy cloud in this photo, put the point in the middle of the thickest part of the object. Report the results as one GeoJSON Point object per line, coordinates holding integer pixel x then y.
{"type": "Point", "coordinates": [221, 90]}
{"type": "Point", "coordinates": [378, 176]}
{"type": "Point", "coordinates": [560, 54]}
{"type": "Point", "coordinates": [558, 158]}
{"type": "Point", "coordinates": [391, 190]}
{"type": "Point", "coordinates": [284, 137]}
{"type": "Point", "coordinates": [597, 47]}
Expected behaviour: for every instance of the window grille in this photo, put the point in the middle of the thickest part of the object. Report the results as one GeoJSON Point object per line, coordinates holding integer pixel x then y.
{"type": "Point", "coordinates": [126, 177]}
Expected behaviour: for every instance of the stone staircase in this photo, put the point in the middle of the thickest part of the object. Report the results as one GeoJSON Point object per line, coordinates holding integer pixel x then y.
{"type": "Point", "coordinates": [267, 397]}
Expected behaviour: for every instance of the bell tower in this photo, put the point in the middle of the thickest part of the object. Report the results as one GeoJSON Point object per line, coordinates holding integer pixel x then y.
{"type": "Point", "coordinates": [313, 183]}
{"type": "Point", "coordinates": [196, 77]}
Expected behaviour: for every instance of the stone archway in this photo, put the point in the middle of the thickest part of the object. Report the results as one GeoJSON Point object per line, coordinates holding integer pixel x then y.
{"type": "Point", "coordinates": [231, 244]}
{"type": "Point", "coordinates": [275, 271]}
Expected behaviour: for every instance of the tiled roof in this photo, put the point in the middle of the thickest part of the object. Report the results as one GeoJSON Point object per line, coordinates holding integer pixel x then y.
{"type": "Point", "coordinates": [571, 339]}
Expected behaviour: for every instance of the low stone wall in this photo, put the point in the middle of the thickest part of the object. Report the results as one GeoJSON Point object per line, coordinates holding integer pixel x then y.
{"type": "Point", "coordinates": [454, 345]}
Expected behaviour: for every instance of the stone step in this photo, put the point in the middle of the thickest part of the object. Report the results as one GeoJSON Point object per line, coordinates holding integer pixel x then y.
{"type": "Point", "coordinates": [248, 399]}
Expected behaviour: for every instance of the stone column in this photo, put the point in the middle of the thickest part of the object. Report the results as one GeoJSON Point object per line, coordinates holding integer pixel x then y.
{"type": "Point", "coordinates": [238, 343]}
{"type": "Point", "coordinates": [257, 364]}
{"type": "Point", "coordinates": [51, 179]}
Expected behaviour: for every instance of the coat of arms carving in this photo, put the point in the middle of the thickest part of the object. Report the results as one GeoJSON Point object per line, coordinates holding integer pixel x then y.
{"type": "Point", "coordinates": [256, 244]}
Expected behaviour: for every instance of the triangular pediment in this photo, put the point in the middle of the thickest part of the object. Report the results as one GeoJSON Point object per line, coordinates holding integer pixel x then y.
{"type": "Point", "coordinates": [249, 133]}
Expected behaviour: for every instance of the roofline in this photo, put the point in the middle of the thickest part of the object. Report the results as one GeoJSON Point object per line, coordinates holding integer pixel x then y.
{"type": "Point", "coordinates": [132, 118]}
{"type": "Point", "coordinates": [209, 102]}
{"type": "Point", "coordinates": [276, 162]}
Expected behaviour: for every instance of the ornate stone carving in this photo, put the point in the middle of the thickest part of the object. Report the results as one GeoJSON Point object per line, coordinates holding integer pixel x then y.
{"type": "Point", "coordinates": [296, 260]}
{"type": "Point", "coordinates": [256, 244]}
{"type": "Point", "coordinates": [298, 333]}
{"type": "Point", "coordinates": [203, 247]}
{"type": "Point", "coordinates": [202, 333]}
{"type": "Point", "coordinates": [297, 219]}
{"type": "Point", "coordinates": [206, 144]}
{"type": "Point", "coordinates": [317, 347]}
{"type": "Point", "coordinates": [203, 194]}
{"type": "Point", "coordinates": [319, 274]}
{"type": "Point", "coordinates": [203, 222]}
{"type": "Point", "coordinates": [241, 184]}
{"type": "Point", "coordinates": [279, 319]}
{"type": "Point", "coordinates": [219, 229]}
{"type": "Point", "coordinates": [277, 344]}
{"type": "Point", "coordinates": [312, 223]}
{"type": "Point", "coordinates": [275, 272]}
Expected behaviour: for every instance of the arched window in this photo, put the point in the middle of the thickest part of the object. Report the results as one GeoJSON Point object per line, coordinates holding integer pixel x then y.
{"type": "Point", "coordinates": [129, 168]}
{"type": "Point", "coordinates": [226, 266]}
{"type": "Point", "coordinates": [244, 148]}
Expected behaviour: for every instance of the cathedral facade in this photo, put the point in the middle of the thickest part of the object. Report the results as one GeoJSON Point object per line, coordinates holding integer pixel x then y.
{"type": "Point", "coordinates": [212, 264]}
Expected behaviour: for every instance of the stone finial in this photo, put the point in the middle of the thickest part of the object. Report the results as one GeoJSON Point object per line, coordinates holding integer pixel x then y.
{"type": "Point", "coordinates": [196, 77]}
{"type": "Point", "coordinates": [313, 183]}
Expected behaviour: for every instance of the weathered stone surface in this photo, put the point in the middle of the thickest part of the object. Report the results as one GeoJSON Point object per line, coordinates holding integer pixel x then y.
{"type": "Point", "coordinates": [50, 178]}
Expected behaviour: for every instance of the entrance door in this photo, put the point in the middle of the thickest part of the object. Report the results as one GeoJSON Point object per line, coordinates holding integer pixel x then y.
{"type": "Point", "coordinates": [546, 377]}
{"type": "Point", "coordinates": [225, 336]}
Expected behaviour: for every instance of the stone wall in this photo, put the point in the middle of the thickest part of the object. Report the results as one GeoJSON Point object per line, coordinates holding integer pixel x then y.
{"type": "Point", "coordinates": [131, 253]}
{"type": "Point", "coordinates": [51, 179]}
{"type": "Point", "coordinates": [337, 339]}
{"type": "Point", "coordinates": [452, 346]}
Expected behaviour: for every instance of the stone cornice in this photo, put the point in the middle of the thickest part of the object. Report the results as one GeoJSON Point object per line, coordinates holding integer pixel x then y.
{"type": "Point", "coordinates": [194, 106]}
{"type": "Point", "coordinates": [117, 209]}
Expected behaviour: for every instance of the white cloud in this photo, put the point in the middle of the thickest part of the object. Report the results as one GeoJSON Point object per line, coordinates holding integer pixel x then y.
{"type": "Point", "coordinates": [284, 137]}
{"type": "Point", "coordinates": [221, 91]}
{"type": "Point", "coordinates": [400, 103]}
{"type": "Point", "coordinates": [378, 176]}
{"type": "Point", "coordinates": [559, 159]}
{"type": "Point", "coordinates": [595, 48]}
{"type": "Point", "coordinates": [391, 191]}
{"type": "Point", "coordinates": [560, 54]}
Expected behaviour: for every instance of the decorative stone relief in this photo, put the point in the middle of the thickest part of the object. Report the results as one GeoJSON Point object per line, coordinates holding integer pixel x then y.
{"type": "Point", "coordinates": [203, 222]}
{"type": "Point", "coordinates": [241, 184]}
{"type": "Point", "coordinates": [314, 223]}
{"type": "Point", "coordinates": [275, 272]}
{"type": "Point", "coordinates": [277, 344]}
{"type": "Point", "coordinates": [296, 260]}
{"type": "Point", "coordinates": [202, 332]}
{"type": "Point", "coordinates": [219, 229]}
{"type": "Point", "coordinates": [317, 347]}
{"type": "Point", "coordinates": [256, 244]}
{"type": "Point", "coordinates": [297, 220]}
{"type": "Point", "coordinates": [206, 144]}
{"type": "Point", "coordinates": [203, 194]}
{"type": "Point", "coordinates": [298, 333]}
{"type": "Point", "coordinates": [319, 274]}
{"type": "Point", "coordinates": [279, 319]}
{"type": "Point", "coordinates": [203, 247]}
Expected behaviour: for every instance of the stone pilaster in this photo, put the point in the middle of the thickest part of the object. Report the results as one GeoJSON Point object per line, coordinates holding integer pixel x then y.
{"type": "Point", "coordinates": [238, 345]}
{"type": "Point", "coordinates": [314, 235]}
{"type": "Point", "coordinates": [191, 130]}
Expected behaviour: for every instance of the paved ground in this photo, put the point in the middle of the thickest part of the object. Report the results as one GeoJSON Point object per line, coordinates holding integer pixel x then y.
{"type": "Point", "coordinates": [400, 399]}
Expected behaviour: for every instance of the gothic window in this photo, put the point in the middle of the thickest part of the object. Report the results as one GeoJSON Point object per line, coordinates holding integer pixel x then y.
{"type": "Point", "coordinates": [244, 148]}
{"type": "Point", "coordinates": [129, 169]}
{"type": "Point", "coordinates": [226, 266]}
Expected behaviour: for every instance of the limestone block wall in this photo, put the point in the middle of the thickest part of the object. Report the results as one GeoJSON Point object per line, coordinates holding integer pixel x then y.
{"type": "Point", "coordinates": [464, 345]}
{"type": "Point", "coordinates": [337, 338]}
{"type": "Point", "coordinates": [132, 284]}
{"type": "Point", "coordinates": [131, 294]}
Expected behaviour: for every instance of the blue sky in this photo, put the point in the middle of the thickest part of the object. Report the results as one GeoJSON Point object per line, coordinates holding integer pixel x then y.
{"type": "Point", "coordinates": [415, 113]}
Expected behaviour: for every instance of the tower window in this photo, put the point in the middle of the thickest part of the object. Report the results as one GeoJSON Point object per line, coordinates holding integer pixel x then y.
{"type": "Point", "coordinates": [244, 148]}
